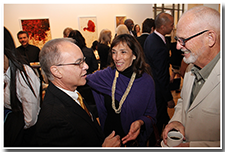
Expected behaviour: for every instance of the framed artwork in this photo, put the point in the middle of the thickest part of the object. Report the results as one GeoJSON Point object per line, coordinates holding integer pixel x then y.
{"type": "Point", "coordinates": [38, 30]}
{"type": "Point", "coordinates": [88, 28]}
{"type": "Point", "coordinates": [120, 20]}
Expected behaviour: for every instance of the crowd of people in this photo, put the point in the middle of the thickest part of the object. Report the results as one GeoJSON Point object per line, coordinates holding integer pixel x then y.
{"type": "Point", "coordinates": [112, 94]}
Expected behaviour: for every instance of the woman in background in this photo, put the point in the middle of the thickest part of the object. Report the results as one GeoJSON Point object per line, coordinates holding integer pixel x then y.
{"type": "Point", "coordinates": [137, 30]}
{"type": "Point", "coordinates": [21, 96]}
{"type": "Point", "coordinates": [103, 47]}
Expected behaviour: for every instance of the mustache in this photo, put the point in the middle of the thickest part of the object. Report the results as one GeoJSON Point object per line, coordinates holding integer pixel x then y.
{"type": "Point", "coordinates": [185, 50]}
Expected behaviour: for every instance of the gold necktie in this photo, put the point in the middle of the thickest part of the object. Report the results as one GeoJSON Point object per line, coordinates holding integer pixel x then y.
{"type": "Point", "coordinates": [80, 99]}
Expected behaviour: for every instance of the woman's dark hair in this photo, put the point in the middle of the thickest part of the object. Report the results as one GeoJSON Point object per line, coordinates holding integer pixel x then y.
{"type": "Point", "coordinates": [147, 25]}
{"type": "Point", "coordinates": [139, 64]}
{"type": "Point", "coordinates": [80, 41]}
{"type": "Point", "coordinates": [15, 63]}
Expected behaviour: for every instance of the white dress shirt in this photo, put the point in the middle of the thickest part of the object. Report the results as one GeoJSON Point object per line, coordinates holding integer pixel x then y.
{"type": "Point", "coordinates": [30, 103]}
{"type": "Point", "coordinates": [74, 96]}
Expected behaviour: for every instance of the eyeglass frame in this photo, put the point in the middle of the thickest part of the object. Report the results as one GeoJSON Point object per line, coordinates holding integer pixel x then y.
{"type": "Point", "coordinates": [183, 41]}
{"type": "Point", "coordinates": [79, 63]}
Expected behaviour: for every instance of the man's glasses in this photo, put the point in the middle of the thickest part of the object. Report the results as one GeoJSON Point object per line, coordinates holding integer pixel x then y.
{"type": "Point", "coordinates": [183, 41]}
{"type": "Point", "coordinates": [79, 62]}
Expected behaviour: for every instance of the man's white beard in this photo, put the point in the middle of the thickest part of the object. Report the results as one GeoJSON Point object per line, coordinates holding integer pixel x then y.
{"type": "Point", "coordinates": [191, 59]}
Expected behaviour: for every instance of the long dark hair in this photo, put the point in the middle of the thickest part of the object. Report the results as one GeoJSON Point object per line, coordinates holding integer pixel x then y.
{"type": "Point", "coordinates": [15, 63]}
{"type": "Point", "coordinates": [139, 65]}
{"type": "Point", "coordinates": [80, 41]}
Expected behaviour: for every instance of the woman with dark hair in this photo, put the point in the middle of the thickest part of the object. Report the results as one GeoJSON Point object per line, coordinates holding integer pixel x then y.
{"type": "Point", "coordinates": [88, 52]}
{"type": "Point", "coordinates": [21, 95]}
{"type": "Point", "coordinates": [124, 92]}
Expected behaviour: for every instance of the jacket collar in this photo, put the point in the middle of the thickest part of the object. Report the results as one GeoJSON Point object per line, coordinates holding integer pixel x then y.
{"type": "Point", "coordinates": [212, 81]}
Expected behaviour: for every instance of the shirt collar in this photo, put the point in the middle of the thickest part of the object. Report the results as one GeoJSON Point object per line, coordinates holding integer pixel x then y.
{"type": "Point", "coordinates": [72, 94]}
{"type": "Point", "coordinates": [196, 71]}
{"type": "Point", "coordinates": [161, 36]}
{"type": "Point", "coordinates": [205, 71]}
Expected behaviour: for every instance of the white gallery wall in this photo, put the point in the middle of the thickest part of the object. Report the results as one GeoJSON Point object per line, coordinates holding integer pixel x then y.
{"type": "Point", "coordinates": [67, 15]}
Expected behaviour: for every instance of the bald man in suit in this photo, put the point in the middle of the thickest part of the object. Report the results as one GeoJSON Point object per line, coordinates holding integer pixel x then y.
{"type": "Point", "coordinates": [197, 113]}
{"type": "Point", "coordinates": [65, 120]}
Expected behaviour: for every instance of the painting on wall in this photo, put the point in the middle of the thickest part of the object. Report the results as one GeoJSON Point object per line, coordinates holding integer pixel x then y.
{"type": "Point", "coordinates": [120, 20]}
{"type": "Point", "coordinates": [38, 30]}
{"type": "Point", "coordinates": [88, 28]}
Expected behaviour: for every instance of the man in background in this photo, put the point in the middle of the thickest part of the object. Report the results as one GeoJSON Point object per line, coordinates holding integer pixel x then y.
{"type": "Point", "coordinates": [130, 25]}
{"type": "Point", "coordinates": [157, 56]}
{"type": "Point", "coordinates": [28, 51]}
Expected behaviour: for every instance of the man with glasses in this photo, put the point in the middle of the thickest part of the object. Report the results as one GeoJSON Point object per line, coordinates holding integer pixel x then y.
{"type": "Point", "coordinates": [197, 113]}
{"type": "Point", "coordinates": [65, 119]}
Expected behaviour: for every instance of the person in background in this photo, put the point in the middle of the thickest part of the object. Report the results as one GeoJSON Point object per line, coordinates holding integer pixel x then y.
{"type": "Point", "coordinates": [197, 113]}
{"type": "Point", "coordinates": [137, 30]}
{"type": "Point", "coordinates": [148, 26]}
{"type": "Point", "coordinates": [130, 25]}
{"type": "Point", "coordinates": [66, 32]}
{"type": "Point", "coordinates": [65, 119]}
{"type": "Point", "coordinates": [95, 50]}
{"type": "Point", "coordinates": [88, 52]}
{"type": "Point", "coordinates": [21, 96]}
{"type": "Point", "coordinates": [103, 47]}
{"type": "Point", "coordinates": [157, 56]}
{"type": "Point", "coordinates": [121, 29]}
{"type": "Point", "coordinates": [28, 51]}
{"type": "Point", "coordinates": [124, 93]}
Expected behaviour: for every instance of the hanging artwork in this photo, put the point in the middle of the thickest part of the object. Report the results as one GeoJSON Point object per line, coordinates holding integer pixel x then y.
{"type": "Point", "coordinates": [38, 30]}
{"type": "Point", "coordinates": [120, 20]}
{"type": "Point", "coordinates": [88, 28]}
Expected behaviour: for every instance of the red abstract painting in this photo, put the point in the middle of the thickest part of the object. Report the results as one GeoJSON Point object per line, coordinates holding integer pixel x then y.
{"type": "Point", "coordinates": [90, 26]}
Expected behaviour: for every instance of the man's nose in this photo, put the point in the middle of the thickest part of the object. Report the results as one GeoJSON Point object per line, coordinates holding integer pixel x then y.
{"type": "Point", "coordinates": [179, 46]}
{"type": "Point", "coordinates": [86, 67]}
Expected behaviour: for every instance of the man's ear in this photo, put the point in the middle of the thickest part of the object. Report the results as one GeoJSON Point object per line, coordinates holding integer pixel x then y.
{"type": "Point", "coordinates": [211, 38]}
{"type": "Point", "coordinates": [56, 71]}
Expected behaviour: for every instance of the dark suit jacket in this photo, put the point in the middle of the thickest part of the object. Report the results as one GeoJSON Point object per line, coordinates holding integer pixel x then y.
{"type": "Point", "coordinates": [103, 51]}
{"type": "Point", "coordinates": [157, 55]}
{"type": "Point", "coordinates": [30, 53]}
{"type": "Point", "coordinates": [62, 122]}
{"type": "Point", "coordinates": [141, 39]}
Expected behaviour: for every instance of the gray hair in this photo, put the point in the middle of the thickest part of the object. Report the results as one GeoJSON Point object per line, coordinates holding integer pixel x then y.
{"type": "Point", "coordinates": [105, 37]}
{"type": "Point", "coordinates": [51, 55]}
{"type": "Point", "coordinates": [122, 29]}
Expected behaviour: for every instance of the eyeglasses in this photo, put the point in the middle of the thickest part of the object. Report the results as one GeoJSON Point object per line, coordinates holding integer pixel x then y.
{"type": "Point", "coordinates": [79, 62]}
{"type": "Point", "coordinates": [183, 41]}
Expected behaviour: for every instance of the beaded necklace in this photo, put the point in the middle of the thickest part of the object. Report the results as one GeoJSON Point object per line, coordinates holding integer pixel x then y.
{"type": "Point", "coordinates": [125, 93]}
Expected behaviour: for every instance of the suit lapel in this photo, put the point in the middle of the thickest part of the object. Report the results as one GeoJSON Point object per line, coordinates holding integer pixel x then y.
{"type": "Point", "coordinates": [159, 39]}
{"type": "Point", "coordinates": [186, 94]}
{"type": "Point", "coordinates": [212, 81]}
{"type": "Point", "coordinates": [69, 103]}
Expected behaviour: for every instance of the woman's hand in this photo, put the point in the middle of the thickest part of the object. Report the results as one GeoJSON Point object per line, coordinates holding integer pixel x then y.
{"type": "Point", "coordinates": [134, 131]}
